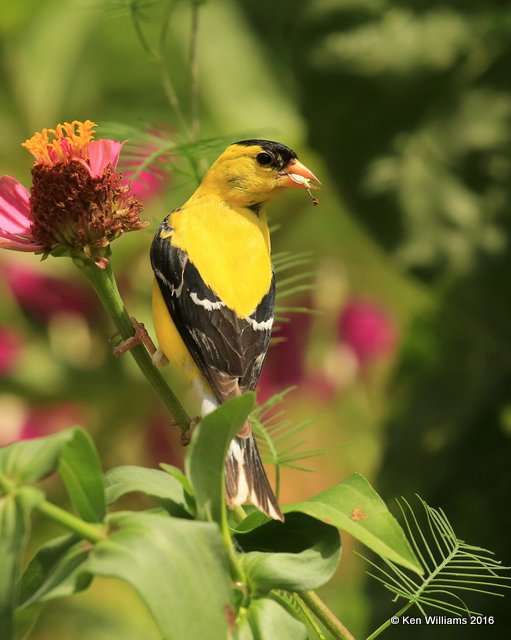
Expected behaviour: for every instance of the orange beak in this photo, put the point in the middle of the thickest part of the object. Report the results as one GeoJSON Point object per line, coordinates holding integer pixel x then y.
{"type": "Point", "coordinates": [297, 175]}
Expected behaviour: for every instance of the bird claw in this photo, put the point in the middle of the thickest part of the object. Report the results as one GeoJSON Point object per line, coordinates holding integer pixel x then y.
{"type": "Point", "coordinates": [159, 358]}
{"type": "Point", "coordinates": [186, 436]}
{"type": "Point", "coordinates": [140, 337]}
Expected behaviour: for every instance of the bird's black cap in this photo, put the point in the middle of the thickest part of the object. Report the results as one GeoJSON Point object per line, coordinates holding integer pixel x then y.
{"type": "Point", "coordinates": [275, 148]}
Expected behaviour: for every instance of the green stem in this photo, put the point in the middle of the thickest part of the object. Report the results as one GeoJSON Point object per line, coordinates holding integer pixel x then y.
{"type": "Point", "coordinates": [7, 485]}
{"type": "Point", "coordinates": [194, 72]}
{"type": "Point", "coordinates": [387, 623]}
{"type": "Point", "coordinates": [325, 616]}
{"type": "Point", "coordinates": [307, 614]}
{"type": "Point", "coordinates": [104, 284]}
{"type": "Point", "coordinates": [238, 513]}
{"type": "Point", "coordinates": [86, 530]}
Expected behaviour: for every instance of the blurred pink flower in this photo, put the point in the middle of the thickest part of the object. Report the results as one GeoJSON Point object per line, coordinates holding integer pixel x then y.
{"type": "Point", "coordinates": [285, 364]}
{"type": "Point", "coordinates": [10, 350]}
{"type": "Point", "coordinates": [78, 203]}
{"type": "Point", "coordinates": [149, 182]}
{"type": "Point", "coordinates": [41, 297]}
{"type": "Point", "coordinates": [366, 328]}
{"type": "Point", "coordinates": [44, 420]}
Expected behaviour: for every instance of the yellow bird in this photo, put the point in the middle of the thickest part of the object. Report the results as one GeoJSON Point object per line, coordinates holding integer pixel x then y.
{"type": "Point", "coordinates": [214, 291]}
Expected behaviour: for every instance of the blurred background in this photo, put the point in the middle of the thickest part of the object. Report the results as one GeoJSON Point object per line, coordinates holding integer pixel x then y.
{"type": "Point", "coordinates": [404, 112]}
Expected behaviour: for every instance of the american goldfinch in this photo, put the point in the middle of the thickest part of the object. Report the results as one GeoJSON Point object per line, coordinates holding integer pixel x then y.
{"type": "Point", "coordinates": [214, 291]}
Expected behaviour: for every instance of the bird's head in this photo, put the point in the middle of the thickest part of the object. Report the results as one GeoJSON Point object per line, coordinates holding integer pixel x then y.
{"type": "Point", "coordinates": [250, 172]}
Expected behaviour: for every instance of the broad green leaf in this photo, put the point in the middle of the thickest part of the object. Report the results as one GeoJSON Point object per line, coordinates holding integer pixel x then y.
{"type": "Point", "coordinates": [155, 483]}
{"type": "Point", "coordinates": [253, 520]}
{"type": "Point", "coordinates": [81, 472]}
{"type": "Point", "coordinates": [55, 571]}
{"type": "Point", "coordinates": [73, 454]}
{"type": "Point", "coordinates": [205, 458]}
{"type": "Point", "coordinates": [24, 621]}
{"type": "Point", "coordinates": [266, 620]}
{"type": "Point", "coordinates": [179, 476]}
{"type": "Point", "coordinates": [178, 567]}
{"type": "Point", "coordinates": [355, 507]}
{"type": "Point", "coordinates": [14, 531]}
{"type": "Point", "coordinates": [300, 554]}
{"type": "Point", "coordinates": [29, 461]}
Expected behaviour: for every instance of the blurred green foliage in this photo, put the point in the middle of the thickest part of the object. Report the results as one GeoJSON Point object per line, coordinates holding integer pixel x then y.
{"type": "Point", "coordinates": [404, 111]}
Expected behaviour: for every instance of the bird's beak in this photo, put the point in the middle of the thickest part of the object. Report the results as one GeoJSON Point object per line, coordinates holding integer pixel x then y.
{"type": "Point", "coordinates": [296, 175]}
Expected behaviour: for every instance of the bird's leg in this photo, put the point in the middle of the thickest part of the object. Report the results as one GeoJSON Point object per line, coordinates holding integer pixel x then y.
{"type": "Point", "coordinates": [140, 337]}
{"type": "Point", "coordinates": [186, 436]}
{"type": "Point", "coordinates": [245, 431]}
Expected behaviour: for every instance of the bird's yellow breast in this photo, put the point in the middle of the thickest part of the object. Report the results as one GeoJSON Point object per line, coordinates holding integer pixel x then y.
{"type": "Point", "coordinates": [230, 248]}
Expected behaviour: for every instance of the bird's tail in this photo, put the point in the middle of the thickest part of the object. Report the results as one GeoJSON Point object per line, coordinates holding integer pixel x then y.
{"type": "Point", "coordinates": [246, 479]}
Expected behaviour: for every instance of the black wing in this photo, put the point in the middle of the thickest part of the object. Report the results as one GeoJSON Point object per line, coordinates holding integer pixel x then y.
{"type": "Point", "coordinates": [229, 351]}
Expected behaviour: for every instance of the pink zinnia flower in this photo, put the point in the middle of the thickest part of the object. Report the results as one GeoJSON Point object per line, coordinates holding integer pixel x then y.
{"type": "Point", "coordinates": [15, 223]}
{"type": "Point", "coordinates": [78, 202]}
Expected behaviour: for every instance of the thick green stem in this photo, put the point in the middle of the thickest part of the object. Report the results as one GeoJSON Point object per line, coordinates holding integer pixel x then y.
{"type": "Point", "coordinates": [86, 530]}
{"type": "Point", "coordinates": [104, 284]}
{"type": "Point", "coordinates": [306, 613]}
{"type": "Point", "coordinates": [325, 616]}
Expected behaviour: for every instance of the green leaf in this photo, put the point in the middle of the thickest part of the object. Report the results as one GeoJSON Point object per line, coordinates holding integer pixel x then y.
{"type": "Point", "coordinates": [178, 567]}
{"type": "Point", "coordinates": [81, 472]}
{"type": "Point", "coordinates": [29, 461]}
{"type": "Point", "coordinates": [266, 619]}
{"type": "Point", "coordinates": [205, 458]}
{"type": "Point", "coordinates": [300, 554]}
{"type": "Point", "coordinates": [155, 483]}
{"type": "Point", "coordinates": [73, 454]}
{"type": "Point", "coordinates": [355, 507]}
{"type": "Point", "coordinates": [14, 531]}
{"type": "Point", "coordinates": [55, 571]}
{"type": "Point", "coordinates": [179, 476]}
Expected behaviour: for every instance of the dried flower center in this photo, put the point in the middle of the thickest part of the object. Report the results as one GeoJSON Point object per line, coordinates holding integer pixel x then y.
{"type": "Point", "coordinates": [66, 142]}
{"type": "Point", "coordinates": [74, 213]}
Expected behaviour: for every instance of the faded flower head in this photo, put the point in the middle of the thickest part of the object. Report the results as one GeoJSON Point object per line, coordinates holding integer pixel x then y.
{"type": "Point", "coordinates": [78, 202]}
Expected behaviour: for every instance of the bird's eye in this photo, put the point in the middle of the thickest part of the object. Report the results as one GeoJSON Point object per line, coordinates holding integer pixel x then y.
{"type": "Point", "coordinates": [264, 158]}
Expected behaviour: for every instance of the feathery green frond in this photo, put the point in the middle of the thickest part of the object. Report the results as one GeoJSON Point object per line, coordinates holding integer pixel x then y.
{"type": "Point", "coordinates": [278, 437]}
{"type": "Point", "coordinates": [291, 285]}
{"type": "Point", "coordinates": [452, 567]}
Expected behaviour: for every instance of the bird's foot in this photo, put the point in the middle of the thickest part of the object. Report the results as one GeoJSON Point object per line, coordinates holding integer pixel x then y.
{"type": "Point", "coordinates": [159, 358]}
{"type": "Point", "coordinates": [139, 337]}
{"type": "Point", "coordinates": [186, 436]}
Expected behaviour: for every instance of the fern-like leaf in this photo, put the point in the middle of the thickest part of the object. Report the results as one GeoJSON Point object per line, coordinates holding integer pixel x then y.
{"type": "Point", "coordinates": [278, 437]}
{"type": "Point", "coordinates": [291, 285]}
{"type": "Point", "coordinates": [452, 568]}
